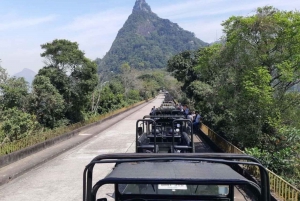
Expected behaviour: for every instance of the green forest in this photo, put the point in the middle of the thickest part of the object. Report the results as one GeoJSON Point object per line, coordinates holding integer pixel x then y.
{"type": "Point", "coordinates": [68, 90]}
{"type": "Point", "coordinates": [244, 86]}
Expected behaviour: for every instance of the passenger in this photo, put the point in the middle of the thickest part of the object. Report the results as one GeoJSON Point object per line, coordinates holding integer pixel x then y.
{"type": "Point", "coordinates": [190, 116]}
{"type": "Point", "coordinates": [193, 115]}
{"type": "Point", "coordinates": [186, 110]}
{"type": "Point", "coordinates": [181, 108]}
{"type": "Point", "coordinates": [197, 122]}
{"type": "Point", "coordinates": [152, 111]}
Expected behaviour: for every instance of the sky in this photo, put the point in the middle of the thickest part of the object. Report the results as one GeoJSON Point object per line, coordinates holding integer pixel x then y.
{"type": "Point", "coordinates": [94, 24]}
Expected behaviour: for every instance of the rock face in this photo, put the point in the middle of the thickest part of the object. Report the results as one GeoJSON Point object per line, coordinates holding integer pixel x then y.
{"type": "Point", "coordinates": [147, 41]}
{"type": "Point", "coordinates": [141, 5]}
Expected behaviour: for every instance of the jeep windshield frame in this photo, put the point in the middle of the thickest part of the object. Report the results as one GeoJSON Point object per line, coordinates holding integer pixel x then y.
{"type": "Point", "coordinates": [130, 169]}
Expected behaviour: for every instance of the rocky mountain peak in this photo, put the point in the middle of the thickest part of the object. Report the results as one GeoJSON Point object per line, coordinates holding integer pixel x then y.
{"type": "Point", "coordinates": [27, 74]}
{"type": "Point", "coordinates": [141, 5]}
{"type": "Point", "coordinates": [147, 41]}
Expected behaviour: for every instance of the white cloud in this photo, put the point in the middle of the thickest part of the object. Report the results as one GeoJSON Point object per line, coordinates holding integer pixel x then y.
{"type": "Point", "coordinates": [204, 18]}
{"type": "Point", "coordinates": [208, 31]}
{"type": "Point", "coordinates": [22, 23]}
{"type": "Point", "coordinates": [96, 32]}
{"type": "Point", "coordinates": [22, 57]}
{"type": "Point", "coordinates": [195, 8]}
{"type": "Point", "coordinates": [101, 19]}
{"type": "Point", "coordinates": [184, 8]}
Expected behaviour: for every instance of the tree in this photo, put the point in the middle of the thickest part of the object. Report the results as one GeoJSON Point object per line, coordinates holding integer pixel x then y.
{"type": "Point", "coordinates": [46, 103]}
{"type": "Point", "coordinates": [59, 79]}
{"type": "Point", "coordinates": [181, 66]}
{"type": "Point", "coordinates": [269, 39]}
{"type": "Point", "coordinates": [62, 54]}
{"type": "Point", "coordinates": [14, 93]}
{"type": "Point", "coordinates": [96, 95]}
{"type": "Point", "coordinates": [3, 79]}
{"type": "Point", "coordinates": [150, 88]}
{"type": "Point", "coordinates": [3, 75]}
{"type": "Point", "coordinates": [243, 86]}
{"type": "Point", "coordinates": [84, 79]}
{"type": "Point", "coordinates": [73, 75]}
{"type": "Point", "coordinates": [199, 71]}
{"type": "Point", "coordinates": [262, 50]}
{"type": "Point", "coordinates": [173, 87]}
{"type": "Point", "coordinates": [110, 100]}
{"type": "Point", "coordinates": [17, 124]}
{"type": "Point", "coordinates": [127, 77]}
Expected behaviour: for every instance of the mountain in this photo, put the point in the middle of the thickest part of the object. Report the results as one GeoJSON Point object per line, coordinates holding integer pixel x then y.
{"type": "Point", "coordinates": [147, 41]}
{"type": "Point", "coordinates": [27, 74]}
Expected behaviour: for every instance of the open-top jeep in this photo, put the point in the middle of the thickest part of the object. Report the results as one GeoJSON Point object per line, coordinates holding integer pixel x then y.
{"type": "Point", "coordinates": [185, 176]}
{"type": "Point", "coordinates": [164, 133]}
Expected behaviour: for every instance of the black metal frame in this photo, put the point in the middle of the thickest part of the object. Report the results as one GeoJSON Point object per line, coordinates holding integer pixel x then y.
{"type": "Point", "coordinates": [173, 127]}
{"type": "Point", "coordinates": [89, 191]}
{"type": "Point", "coordinates": [173, 116]}
{"type": "Point", "coordinates": [147, 121]}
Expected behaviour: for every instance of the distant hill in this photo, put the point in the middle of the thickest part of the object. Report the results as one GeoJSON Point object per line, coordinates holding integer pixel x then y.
{"type": "Point", "coordinates": [27, 74]}
{"type": "Point", "coordinates": [147, 41]}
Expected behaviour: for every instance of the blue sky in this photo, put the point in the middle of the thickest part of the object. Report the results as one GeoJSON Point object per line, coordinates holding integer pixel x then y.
{"type": "Point", "coordinates": [26, 24]}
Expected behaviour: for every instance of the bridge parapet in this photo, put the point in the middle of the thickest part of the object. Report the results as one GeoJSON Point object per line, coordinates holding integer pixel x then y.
{"type": "Point", "coordinates": [14, 151]}
{"type": "Point", "coordinates": [281, 189]}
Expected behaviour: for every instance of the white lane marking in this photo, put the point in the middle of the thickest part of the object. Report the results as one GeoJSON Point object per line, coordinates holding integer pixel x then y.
{"type": "Point", "coordinates": [84, 134]}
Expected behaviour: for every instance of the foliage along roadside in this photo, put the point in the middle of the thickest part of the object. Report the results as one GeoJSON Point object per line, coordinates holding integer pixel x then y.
{"type": "Point", "coordinates": [68, 90]}
{"type": "Point", "coordinates": [30, 140]}
{"type": "Point", "coordinates": [243, 86]}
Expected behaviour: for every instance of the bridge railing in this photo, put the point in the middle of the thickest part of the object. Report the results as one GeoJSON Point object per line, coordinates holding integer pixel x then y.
{"type": "Point", "coordinates": [30, 140]}
{"type": "Point", "coordinates": [280, 188]}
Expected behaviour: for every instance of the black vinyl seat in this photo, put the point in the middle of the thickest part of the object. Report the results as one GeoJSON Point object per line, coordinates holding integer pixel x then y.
{"type": "Point", "coordinates": [185, 145]}
{"type": "Point", "coordinates": [144, 145]}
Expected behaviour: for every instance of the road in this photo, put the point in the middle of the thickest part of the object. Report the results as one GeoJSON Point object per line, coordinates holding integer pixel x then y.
{"type": "Point", "coordinates": [61, 178]}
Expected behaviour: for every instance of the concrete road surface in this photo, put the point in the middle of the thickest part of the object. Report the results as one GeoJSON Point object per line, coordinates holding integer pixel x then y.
{"type": "Point", "coordinates": [60, 179]}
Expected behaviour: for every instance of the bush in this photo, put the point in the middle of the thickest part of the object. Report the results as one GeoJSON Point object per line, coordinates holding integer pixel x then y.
{"type": "Point", "coordinates": [17, 124]}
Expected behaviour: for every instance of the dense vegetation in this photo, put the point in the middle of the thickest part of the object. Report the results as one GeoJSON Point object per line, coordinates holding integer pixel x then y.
{"type": "Point", "coordinates": [243, 86]}
{"type": "Point", "coordinates": [147, 41]}
{"type": "Point", "coordinates": [69, 90]}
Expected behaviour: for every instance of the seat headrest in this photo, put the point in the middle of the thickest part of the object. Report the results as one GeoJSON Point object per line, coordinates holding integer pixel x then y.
{"type": "Point", "coordinates": [156, 131]}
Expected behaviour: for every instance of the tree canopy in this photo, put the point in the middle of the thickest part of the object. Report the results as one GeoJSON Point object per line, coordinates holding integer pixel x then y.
{"type": "Point", "coordinates": [72, 74]}
{"type": "Point", "coordinates": [243, 86]}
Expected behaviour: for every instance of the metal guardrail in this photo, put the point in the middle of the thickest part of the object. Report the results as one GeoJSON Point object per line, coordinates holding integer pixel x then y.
{"type": "Point", "coordinates": [42, 137]}
{"type": "Point", "coordinates": [279, 187]}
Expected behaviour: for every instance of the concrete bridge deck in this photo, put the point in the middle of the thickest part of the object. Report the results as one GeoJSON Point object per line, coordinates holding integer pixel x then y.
{"type": "Point", "coordinates": [56, 174]}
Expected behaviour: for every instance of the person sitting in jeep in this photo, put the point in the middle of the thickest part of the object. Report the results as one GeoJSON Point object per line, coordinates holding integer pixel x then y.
{"type": "Point", "coordinates": [152, 111]}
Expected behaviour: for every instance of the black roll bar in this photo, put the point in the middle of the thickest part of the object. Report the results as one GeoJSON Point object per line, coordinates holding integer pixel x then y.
{"type": "Point", "coordinates": [153, 127]}
{"type": "Point", "coordinates": [173, 127]}
{"type": "Point", "coordinates": [225, 158]}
